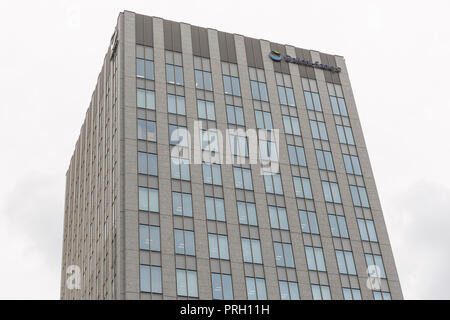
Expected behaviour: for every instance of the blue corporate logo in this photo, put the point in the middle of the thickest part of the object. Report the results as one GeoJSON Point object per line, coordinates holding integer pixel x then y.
{"type": "Point", "coordinates": [275, 55]}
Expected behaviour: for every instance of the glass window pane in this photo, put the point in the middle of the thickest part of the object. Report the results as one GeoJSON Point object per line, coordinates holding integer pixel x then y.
{"type": "Point", "coordinates": [261, 289]}
{"type": "Point", "coordinates": [256, 251]}
{"type": "Point", "coordinates": [170, 73]}
{"type": "Point", "coordinates": [363, 230]}
{"type": "Point", "coordinates": [199, 79]}
{"type": "Point", "coordinates": [333, 225]}
{"type": "Point", "coordinates": [304, 221]}
{"type": "Point", "coordinates": [207, 80]}
{"type": "Point", "coordinates": [187, 205]}
{"type": "Point", "coordinates": [231, 118]}
{"type": "Point", "coordinates": [239, 116]}
{"type": "Point", "coordinates": [155, 243]}
{"type": "Point", "coordinates": [227, 85]}
{"type": "Point", "coordinates": [251, 288]}
{"type": "Point", "coordinates": [181, 283]}
{"type": "Point", "coordinates": [192, 283]}
{"type": "Point", "coordinates": [143, 199]}
{"type": "Point", "coordinates": [255, 90]}
{"type": "Point", "coordinates": [316, 101]}
{"type": "Point", "coordinates": [223, 247]}
{"type": "Point", "coordinates": [145, 278]}
{"type": "Point", "coordinates": [290, 97]}
{"type": "Point", "coordinates": [149, 73]}
{"type": "Point", "coordinates": [144, 237]}
{"type": "Point", "coordinates": [236, 87]}
{"type": "Point", "coordinates": [251, 213]}
{"type": "Point", "coordinates": [313, 222]}
{"type": "Point", "coordinates": [210, 211]}
{"type": "Point", "coordinates": [242, 213]}
{"type": "Point", "coordinates": [177, 207]}
{"type": "Point", "coordinates": [213, 246]}
{"type": "Point", "coordinates": [156, 279]}
{"type": "Point", "coordinates": [216, 286]}
{"type": "Point", "coordinates": [227, 287]}
{"type": "Point", "coordinates": [179, 75]}
{"type": "Point", "coordinates": [309, 101]}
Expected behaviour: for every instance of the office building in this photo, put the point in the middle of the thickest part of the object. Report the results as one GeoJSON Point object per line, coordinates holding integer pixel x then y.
{"type": "Point", "coordinates": [145, 218]}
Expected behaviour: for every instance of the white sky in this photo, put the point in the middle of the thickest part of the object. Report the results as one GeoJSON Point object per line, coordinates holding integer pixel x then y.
{"type": "Point", "coordinates": [397, 53]}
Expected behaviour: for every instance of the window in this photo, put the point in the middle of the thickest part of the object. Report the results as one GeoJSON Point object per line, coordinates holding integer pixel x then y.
{"type": "Point", "coordinates": [146, 130]}
{"type": "Point", "coordinates": [179, 169]}
{"type": "Point", "coordinates": [311, 94]}
{"type": "Point", "coordinates": [149, 238]}
{"type": "Point", "coordinates": [291, 125]}
{"type": "Point", "coordinates": [278, 218]}
{"type": "Point", "coordinates": [318, 129]}
{"type": "Point", "coordinates": [258, 84]}
{"type": "Point", "coordinates": [337, 99]}
{"type": "Point", "coordinates": [174, 68]}
{"type": "Point", "coordinates": [222, 286]}
{"type": "Point", "coordinates": [239, 145]}
{"type": "Point", "coordinates": [187, 283]}
{"type": "Point", "coordinates": [297, 156]}
{"type": "Point", "coordinates": [320, 292]}
{"type": "Point", "coordinates": [206, 110]}
{"type": "Point", "coordinates": [145, 99]}
{"type": "Point", "coordinates": [367, 230]}
{"type": "Point", "coordinates": [247, 213]}
{"type": "Point", "coordinates": [176, 104]}
{"type": "Point", "coordinates": [150, 279]}
{"type": "Point", "coordinates": [314, 258]}
{"type": "Point", "coordinates": [202, 73]}
{"type": "Point", "coordinates": [215, 209]}
{"type": "Point", "coordinates": [345, 261]}
{"type": "Point", "coordinates": [325, 160]}
{"type": "Point", "coordinates": [218, 246]}
{"type": "Point", "coordinates": [285, 92]}
{"type": "Point", "coordinates": [251, 250]}
{"type": "Point", "coordinates": [263, 120]}
{"type": "Point", "coordinates": [273, 183]}
{"type": "Point", "coordinates": [283, 255]}
{"type": "Point", "coordinates": [147, 163]}
{"type": "Point", "coordinates": [231, 79]}
{"type": "Point", "coordinates": [235, 115]}
{"type": "Point", "coordinates": [381, 295]}
{"type": "Point", "coordinates": [268, 150]}
{"type": "Point", "coordinates": [212, 173]}
{"type": "Point", "coordinates": [308, 221]}
{"type": "Point", "coordinates": [256, 288]}
{"type": "Point", "coordinates": [178, 136]}
{"type": "Point", "coordinates": [331, 192]}
{"type": "Point", "coordinates": [148, 199]}
{"type": "Point", "coordinates": [338, 226]}
{"type": "Point", "coordinates": [376, 260]}
{"type": "Point", "coordinates": [345, 134]}
{"type": "Point", "coordinates": [182, 204]}
{"type": "Point", "coordinates": [352, 164]}
{"type": "Point", "coordinates": [184, 242]}
{"type": "Point", "coordinates": [351, 294]}
{"type": "Point", "coordinates": [302, 188]}
{"type": "Point", "coordinates": [209, 140]}
{"type": "Point", "coordinates": [359, 196]}
{"type": "Point", "coordinates": [288, 290]}
{"type": "Point", "coordinates": [242, 178]}
{"type": "Point", "coordinates": [144, 63]}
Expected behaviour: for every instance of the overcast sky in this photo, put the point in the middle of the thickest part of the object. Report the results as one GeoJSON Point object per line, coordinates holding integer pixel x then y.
{"type": "Point", "coordinates": [397, 54]}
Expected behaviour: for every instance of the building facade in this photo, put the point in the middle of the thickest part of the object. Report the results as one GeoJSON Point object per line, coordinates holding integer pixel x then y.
{"type": "Point", "coordinates": [145, 222]}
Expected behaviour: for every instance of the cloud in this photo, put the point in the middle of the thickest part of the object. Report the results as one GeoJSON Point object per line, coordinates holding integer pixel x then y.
{"type": "Point", "coordinates": [31, 237]}
{"type": "Point", "coordinates": [420, 237]}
